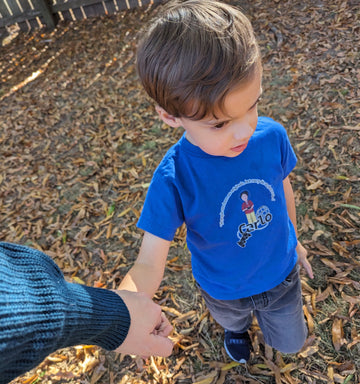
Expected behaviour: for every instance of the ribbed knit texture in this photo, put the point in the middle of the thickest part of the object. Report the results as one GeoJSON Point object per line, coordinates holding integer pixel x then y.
{"type": "Point", "coordinates": [40, 312]}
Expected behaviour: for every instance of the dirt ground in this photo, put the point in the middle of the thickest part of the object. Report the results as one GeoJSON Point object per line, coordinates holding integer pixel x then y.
{"type": "Point", "coordinates": [80, 140]}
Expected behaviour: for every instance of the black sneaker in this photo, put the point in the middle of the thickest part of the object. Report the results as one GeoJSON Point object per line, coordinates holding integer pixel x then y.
{"type": "Point", "coordinates": [237, 346]}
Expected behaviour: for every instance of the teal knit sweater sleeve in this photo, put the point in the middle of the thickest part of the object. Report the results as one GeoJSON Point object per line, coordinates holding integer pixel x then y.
{"type": "Point", "coordinates": [40, 312]}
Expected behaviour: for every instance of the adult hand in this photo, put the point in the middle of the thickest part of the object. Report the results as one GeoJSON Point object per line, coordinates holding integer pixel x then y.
{"type": "Point", "coordinates": [149, 327]}
{"type": "Point", "coordinates": [303, 261]}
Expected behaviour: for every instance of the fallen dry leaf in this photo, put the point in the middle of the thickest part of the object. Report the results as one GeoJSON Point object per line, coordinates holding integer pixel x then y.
{"type": "Point", "coordinates": [337, 332]}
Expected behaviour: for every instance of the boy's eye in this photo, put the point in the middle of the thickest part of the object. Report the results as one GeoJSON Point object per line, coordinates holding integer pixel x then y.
{"type": "Point", "coordinates": [220, 125]}
{"type": "Point", "coordinates": [257, 102]}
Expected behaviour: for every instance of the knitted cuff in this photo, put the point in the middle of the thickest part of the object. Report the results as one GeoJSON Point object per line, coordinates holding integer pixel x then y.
{"type": "Point", "coordinates": [102, 317]}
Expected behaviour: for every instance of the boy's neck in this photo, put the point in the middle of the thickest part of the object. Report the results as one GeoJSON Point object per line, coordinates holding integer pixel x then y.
{"type": "Point", "coordinates": [189, 139]}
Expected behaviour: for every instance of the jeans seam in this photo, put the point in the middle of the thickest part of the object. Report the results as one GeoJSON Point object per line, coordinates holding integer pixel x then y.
{"type": "Point", "coordinates": [265, 299]}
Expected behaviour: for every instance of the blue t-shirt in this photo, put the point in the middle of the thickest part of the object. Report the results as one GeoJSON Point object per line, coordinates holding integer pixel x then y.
{"type": "Point", "coordinates": [241, 239]}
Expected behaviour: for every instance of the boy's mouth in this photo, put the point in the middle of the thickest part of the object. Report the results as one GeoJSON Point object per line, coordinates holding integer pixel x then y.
{"type": "Point", "coordinates": [239, 148]}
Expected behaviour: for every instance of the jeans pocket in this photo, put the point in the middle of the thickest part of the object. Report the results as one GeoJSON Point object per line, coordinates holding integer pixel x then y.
{"type": "Point", "coordinates": [291, 278]}
{"type": "Point", "coordinates": [287, 290]}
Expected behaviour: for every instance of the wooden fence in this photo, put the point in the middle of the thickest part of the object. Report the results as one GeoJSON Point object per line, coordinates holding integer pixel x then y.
{"type": "Point", "coordinates": [28, 14]}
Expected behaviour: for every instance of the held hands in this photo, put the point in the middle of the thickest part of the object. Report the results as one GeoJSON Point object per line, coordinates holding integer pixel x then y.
{"type": "Point", "coordinates": [303, 261]}
{"type": "Point", "coordinates": [149, 327]}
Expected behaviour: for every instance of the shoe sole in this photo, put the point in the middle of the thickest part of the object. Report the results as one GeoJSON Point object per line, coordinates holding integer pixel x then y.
{"type": "Point", "coordinates": [242, 361]}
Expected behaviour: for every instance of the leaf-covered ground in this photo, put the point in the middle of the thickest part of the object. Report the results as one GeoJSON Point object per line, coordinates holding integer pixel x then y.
{"type": "Point", "coordinates": [79, 142]}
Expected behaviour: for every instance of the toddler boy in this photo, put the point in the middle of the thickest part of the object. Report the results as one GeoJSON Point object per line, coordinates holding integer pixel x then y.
{"type": "Point", "coordinates": [200, 62]}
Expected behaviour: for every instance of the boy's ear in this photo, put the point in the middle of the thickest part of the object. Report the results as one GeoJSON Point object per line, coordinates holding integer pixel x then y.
{"type": "Point", "coordinates": [167, 118]}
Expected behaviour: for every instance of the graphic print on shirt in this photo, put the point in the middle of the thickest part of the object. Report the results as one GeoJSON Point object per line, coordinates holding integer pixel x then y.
{"type": "Point", "coordinates": [248, 207]}
{"type": "Point", "coordinates": [256, 219]}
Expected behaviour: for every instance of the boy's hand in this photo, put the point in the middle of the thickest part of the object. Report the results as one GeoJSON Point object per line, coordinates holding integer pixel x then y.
{"type": "Point", "coordinates": [149, 327]}
{"type": "Point", "coordinates": [303, 261]}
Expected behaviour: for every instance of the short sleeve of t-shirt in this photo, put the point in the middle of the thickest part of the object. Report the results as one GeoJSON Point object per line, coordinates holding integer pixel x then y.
{"type": "Point", "coordinates": [162, 212]}
{"type": "Point", "coordinates": [288, 156]}
{"type": "Point", "coordinates": [276, 137]}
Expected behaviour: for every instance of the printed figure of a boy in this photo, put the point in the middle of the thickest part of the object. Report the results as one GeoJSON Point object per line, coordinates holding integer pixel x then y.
{"type": "Point", "coordinates": [201, 64]}
{"type": "Point", "coordinates": [248, 207]}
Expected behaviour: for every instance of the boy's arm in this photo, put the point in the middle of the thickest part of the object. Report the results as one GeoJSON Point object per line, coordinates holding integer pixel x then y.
{"type": "Point", "coordinates": [290, 204]}
{"type": "Point", "coordinates": [148, 270]}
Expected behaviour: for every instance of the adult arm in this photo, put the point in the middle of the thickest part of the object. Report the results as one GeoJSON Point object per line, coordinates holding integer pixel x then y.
{"type": "Point", "coordinates": [40, 313]}
{"type": "Point", "coordinates": [291, 208]}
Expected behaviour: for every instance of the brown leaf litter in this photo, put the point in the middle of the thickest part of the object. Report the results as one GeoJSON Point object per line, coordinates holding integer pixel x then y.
{"type": "Point", "coordinates": [79, 142]}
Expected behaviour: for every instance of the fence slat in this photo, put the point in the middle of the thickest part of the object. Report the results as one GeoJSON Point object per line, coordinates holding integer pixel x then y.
{"type": "Point", "coordinates": [46, 12]}
{"type": "Point", "coordinates": [110, 6]}
{"type": "Point", "coordinates": [77, 13]}
{"type": "Point", "coordinates": [19, 18]}
{"type": "Point", "coordinates": [49, 13]}
{"type": "Point", "coordinates": [89, 10]}
{"type": "Point", "coordinates": [14, 7]}
{"type": "Point", "coordinates": [121, 4]}
{"type": "Point", "coordinates": [133, 3]}
{"type": "Point", "coordinates": [4, 10]}
{"type": "Point", "coordinates": [29, 23]}
{"type": "Point", "coordinates": [73, 4]}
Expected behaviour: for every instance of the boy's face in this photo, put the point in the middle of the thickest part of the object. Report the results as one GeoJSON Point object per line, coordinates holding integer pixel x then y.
{"type": "Point", "coordinates": [244, 197]}
{"type": "Point", "coordinates": [228, 134]}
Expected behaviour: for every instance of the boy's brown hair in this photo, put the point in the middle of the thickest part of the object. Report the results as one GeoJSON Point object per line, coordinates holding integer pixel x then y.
{"type": "Point", "coordinates": [193, 54]}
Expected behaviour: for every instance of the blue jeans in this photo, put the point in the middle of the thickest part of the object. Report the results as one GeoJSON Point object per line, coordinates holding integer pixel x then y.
{"type": "Point", "coordinates": [279, 313]}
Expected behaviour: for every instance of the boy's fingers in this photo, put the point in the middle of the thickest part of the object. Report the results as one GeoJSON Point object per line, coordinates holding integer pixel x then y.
{"type": "Point", "coordinates": [309, 270]}
{"type": "Point", "coordinates": [310, 273]}
{"type": "Point", "coordinates": [307, 266]}
{"type": "Point", "coordinates": [163, 328]}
